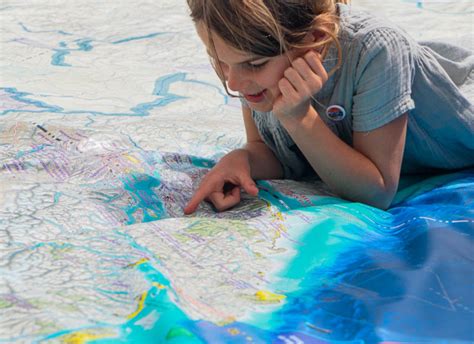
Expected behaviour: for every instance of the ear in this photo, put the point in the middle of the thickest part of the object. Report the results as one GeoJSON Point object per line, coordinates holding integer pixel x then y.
{"type": "Point", "coordinates": [317, 35]}
{"type": "Point", "coordinates": [314, 36]}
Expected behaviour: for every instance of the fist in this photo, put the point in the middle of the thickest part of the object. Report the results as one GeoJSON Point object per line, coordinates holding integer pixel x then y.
{"type": "Point", "coordinates": [304, 78]}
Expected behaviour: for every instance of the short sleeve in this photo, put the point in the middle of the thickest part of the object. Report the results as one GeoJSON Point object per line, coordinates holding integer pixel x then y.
{"type": "Point", "coordinates": [383, 80]}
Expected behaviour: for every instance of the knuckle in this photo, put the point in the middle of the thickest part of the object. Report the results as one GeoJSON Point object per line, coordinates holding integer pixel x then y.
{"type": "Point", "coordinates": [315, 84]}
{"type": "Point", "coordinates": [219, 206]}
{"type": "Point", "coordinates": [299, 62]}
{"type": "Point", "coordinates": [311, 55]}
{"type": "Point", "coordinates": [325, 76]}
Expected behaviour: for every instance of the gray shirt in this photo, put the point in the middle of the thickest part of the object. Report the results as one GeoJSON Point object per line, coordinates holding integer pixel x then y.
{"type": "Point", "coordinates": [385, 73]}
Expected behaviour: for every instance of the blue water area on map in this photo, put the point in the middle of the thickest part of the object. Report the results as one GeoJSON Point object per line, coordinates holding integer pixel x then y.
{"type": "Point", "coordinates": [403, 277]}
{"type": "Point", "coordinates": [146, 205]}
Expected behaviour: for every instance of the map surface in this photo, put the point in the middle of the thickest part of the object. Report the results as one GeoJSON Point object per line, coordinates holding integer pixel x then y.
{"type": "Point", "coordinates": [110, 114]}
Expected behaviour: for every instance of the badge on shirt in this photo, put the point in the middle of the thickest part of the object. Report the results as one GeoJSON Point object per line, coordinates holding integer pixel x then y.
{"type": "Point", "coordinates": [335, 113]}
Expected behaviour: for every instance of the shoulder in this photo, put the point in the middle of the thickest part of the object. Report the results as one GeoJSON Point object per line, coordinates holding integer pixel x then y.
{"type": "Point", "coordinates": [365, 34]}
{"type": "Point", "coordinates": [373, 45]}
{"type": "Point", "coordinates": [378, 63]}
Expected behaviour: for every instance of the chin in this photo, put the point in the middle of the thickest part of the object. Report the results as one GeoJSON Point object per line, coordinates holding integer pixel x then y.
{"type": "Point", "coordinates": [261, 107]}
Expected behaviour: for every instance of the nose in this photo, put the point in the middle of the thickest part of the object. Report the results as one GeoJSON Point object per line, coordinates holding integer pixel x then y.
{"type": "Point", "coordinates": [235, 79]}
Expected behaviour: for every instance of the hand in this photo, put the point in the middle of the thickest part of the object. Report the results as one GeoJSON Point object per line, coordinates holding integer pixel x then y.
{"type": "Point", "coordinates": [305, 77]}
{"type": "Point", "coordinates": [221, 186]}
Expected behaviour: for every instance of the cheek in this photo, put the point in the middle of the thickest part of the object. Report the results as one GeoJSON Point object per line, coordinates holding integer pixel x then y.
{"type": "Point", "coordinates": [275, 74]}
{"type": "Point", "coordinates": [269, 79]}
{"type": "Point", "coordinates": [276, 78]}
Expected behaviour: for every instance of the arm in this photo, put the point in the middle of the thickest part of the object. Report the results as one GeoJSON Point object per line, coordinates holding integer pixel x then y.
{"type": "Point", "coordinates": [221, 186]}
{"type": "Point", "coordinates": [263, 163]}
{"type": "Point", "coordinates": [369, 171]}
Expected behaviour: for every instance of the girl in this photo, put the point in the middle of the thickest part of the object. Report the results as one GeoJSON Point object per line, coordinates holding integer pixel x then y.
{"type": "Point", "coordinates": [336, 92]}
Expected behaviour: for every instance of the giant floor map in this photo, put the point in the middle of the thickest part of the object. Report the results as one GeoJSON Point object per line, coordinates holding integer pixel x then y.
{"type": "Point", "coordinates": [110, 114]}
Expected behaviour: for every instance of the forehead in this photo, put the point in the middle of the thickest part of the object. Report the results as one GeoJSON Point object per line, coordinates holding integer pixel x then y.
{"type": "Point", "coordinates": [216, 45]}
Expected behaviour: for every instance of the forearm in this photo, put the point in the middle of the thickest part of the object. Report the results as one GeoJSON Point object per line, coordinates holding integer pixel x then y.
{"type": "Point", "coordinates": [348, 172]}
{"type": "Point", "coordinates": [263, 163]}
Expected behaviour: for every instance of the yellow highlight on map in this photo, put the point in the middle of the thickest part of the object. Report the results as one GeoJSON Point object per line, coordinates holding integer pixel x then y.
{"type": "Point", "coordinates": [84, 337]}
{"type": "Point", "coordinates": [141, 302]}
{"type": "Point", "coordinates": [141, 261]}
{"type": "Point", "coordinates": [158, 285]}
{"type": "Point", "coordinates": [233, 331]}
{"type": "Point", "coordinates": [268, 296]}
{"type": "Point", "coordinates": [140, 307]}
{"type": "Point", "coordinates": [131, 158]}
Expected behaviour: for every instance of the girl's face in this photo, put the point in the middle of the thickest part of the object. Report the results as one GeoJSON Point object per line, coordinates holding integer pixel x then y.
{"type": "Point", "coordinates": [254, 77]}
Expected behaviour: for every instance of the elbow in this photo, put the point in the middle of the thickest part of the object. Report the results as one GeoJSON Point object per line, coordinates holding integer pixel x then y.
{"type": "Point", "coordinates": [382, 196]}
{"type": "Point", "coordinates": [378, 192]}
{"type": "Point", "coordinates": [377, 197]}
{"type": "Point", "coordinates": [382, 203]}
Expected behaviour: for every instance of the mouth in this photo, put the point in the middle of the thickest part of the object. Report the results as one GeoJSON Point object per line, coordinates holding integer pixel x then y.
{"type": "Point", "coordinates": [256, 97]}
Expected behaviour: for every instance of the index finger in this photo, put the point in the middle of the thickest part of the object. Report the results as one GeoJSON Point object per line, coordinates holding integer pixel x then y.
{"type": "Point", "coordinates": [201, 193]}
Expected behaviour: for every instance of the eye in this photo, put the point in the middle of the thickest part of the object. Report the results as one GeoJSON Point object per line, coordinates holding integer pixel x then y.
{"type": "Point", "coordinates": [255, 66]}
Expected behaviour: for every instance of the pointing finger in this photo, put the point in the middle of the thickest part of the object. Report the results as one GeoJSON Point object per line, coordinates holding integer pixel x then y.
{"type": "Point", "coordinates": [201, 193]}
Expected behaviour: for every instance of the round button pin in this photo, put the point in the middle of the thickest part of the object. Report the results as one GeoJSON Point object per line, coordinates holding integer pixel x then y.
{"type": "Point", "coordinates": [336, 113]}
